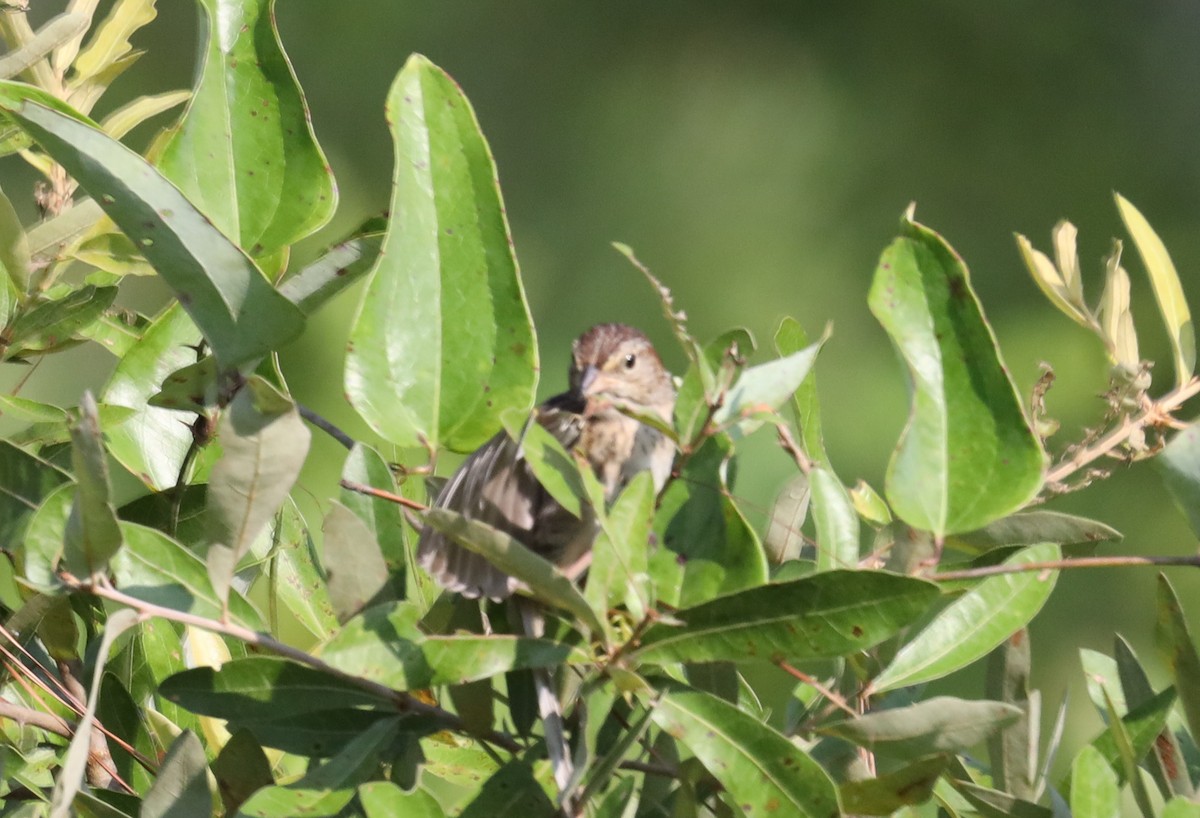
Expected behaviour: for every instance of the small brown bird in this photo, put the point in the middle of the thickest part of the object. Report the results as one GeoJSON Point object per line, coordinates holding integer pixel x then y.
{"type": "Point", "coordinates": [611, 364]}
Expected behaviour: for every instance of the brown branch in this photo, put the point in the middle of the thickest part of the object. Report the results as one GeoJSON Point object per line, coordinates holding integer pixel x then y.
{"type": "Point", "coordinates": [833, 697]}
{"type": "Point", "coordinates": [1064, 565]}
{"type": "Point", "coordinates": [1158, 411]}
{"type": "Point", "coordinates": [371, 491]}
{"type": "Point", "coordinates": [36, 718]}
{"type": "Point", "coordinates": [402, 701]}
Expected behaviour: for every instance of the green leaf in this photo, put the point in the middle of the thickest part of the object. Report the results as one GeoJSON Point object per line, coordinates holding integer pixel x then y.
{"type": "Point", "coordinates": [1012, 749]}
{"type": "Point", "coordinates": [313, 286]}
{"type": "Point", "coordinates": [296, 578]}
{"type": "Point", "coordinates": [52, 324]}
{"type": "Point", "coordinates": [364, 465]}
{"type": "Point", "coordinates": [156, 569]}
{"type": "Point", "coordinates": [181, 788]}
{"type": "Point", "coordinates": [942, 724]}
{"type": "Point", "coordinates": [383, 799]}
{"type": "Point", "coordinates": [245, 152]}
{"type": "Point", "coordinates": [354, 568]}
{"type": "Point", "coordinates": [1166, 764]}
{"type": "Point", "coordinates": [43, 539]}
{"type": "Point", "coordinates": [1094, 790]}
{"type": "Point", "coordinates": [712, 371]}
{"type": "Point", "coordinates": [1179, 464]}
{"type": "Point", "coordinates": [789, 339]}
{"type": "Point", "coordinates": [618, 573]}
{"type": "Point", "coordinates": [1031, 527]}
{"type": "Point", "coordinates": [784, 539]}
{"type": "Point", "coordinates": [1181, 808]}
{"type": "Point", "coordinates": [967, 455]}
{"type": "Point", "coordinates": [1179, 649]}
{"type": "Point", "coordinates": [25, 480]}
{"type": "Point", "coordinates": [830, 614]}
{"type": "Point", "coordinates": [14, 251]}
{"type": "Point", "coordinates": [761, 769]}
{"type": "Point", "coordinates": [910, 785]}
{"type": "Point", "coordinates": [92, 535]}
{"type": "Point", "coordinates": [325, 789]}
{"type": "Point", "coordinates": [512, 790]}
{"type": "Point", "coordinates": [49, 239]}
{"type": "Point", "coordinates": [555, 469]}
{"type": "Point", "coordinates": [545, 581]}
{"type": "Point", "coordinates": [836, 521]}
{"type": "Point", "coordinates": [446, 283]}
{"type": "Point", "coordinates": [995, 804]}
{"type": "Point", "coordinates": [240, 313]}
{"type": "Point", "coordinates": [1168, 291]}
{"type": "Point", "coordinates": [193, 388]}
{"type": "Point", "coordinates": [761, 390]}
{"type": "Point", "coordinates": [975, 623]}
{"type": "Point", "coordinates": [383, 644]}
{"type": "Point", "coordinates": [265, 443]}
{"type": "Point", "coordinates": [241, 768]}
{"type": "Point", "coordinates": [264, 687]}
{"type": "Point", "coordinates": [154, 443]}
{"type": "Point", "coordinates": [706, 542]}
{"type": "Point", "coordinates": [1127, 739]}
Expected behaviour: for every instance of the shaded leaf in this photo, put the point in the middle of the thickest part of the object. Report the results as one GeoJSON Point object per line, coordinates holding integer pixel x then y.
{"type": "Point", "coordinates": [241, 768]}
{"type": "Point", "coordinates": [51, 35]}
{"type": "Point", "coordinates": [883, 795]}
{"type": "Point", "coordinates": [181, 788]}
{"type": "Point", "coordinates": [1031, 527]}
{"type": "Point", "coordinates": [707, 546]}
{"type": "Point", "coordinates": [92, 536]}
{"type": "Point", "coordinates": [791, 338]}
{"type": "Point", "coordinates": [555, 469]}
{"type": "Point", "coordinates": [1127, 739]}
{"type": "Point", "coordinates": [354, 568]}
{"type": "Point", "coordinates": [1168, 291]}
{"type": "Point", "coordinates": [995, 804]}
{"type": "Point", "coordinates": [763, 771]}
{"type": "Point", "coordinates": [830, 614]}
{"type": "Point", "coordinates": [245, 152]}
{"type": "Point", "coordinates": [619, 573]}
{"type": "Point", "coordinates": [1011, 749]}
{"type": "Point", "coordinates": [296, 576]}
{"type": "Point", "coordinates": [155, 568]}
{"type": "Point", "coordinates": [975, 623]}
{"type": "Point", "coordinates": [52, 324]}
{"type": "Point", "coordinates": [446, 265]}
{"type": "Point", "coordinates": [704, 380]}
{"type": "Point", "coordinates": [942, 724]}
{"type": "Point", "coordinates": [967, 455]}
{"type": "Point", "coordinates": [240, 313]}
{"type": "Point", "coordinates": [1179, 464]}
{"type": "Point", "coordinates": [263, 687]}
{"type": "Point", "coordinates": [1179, 649]}
{"type": "Point", "coordinates": [25, 480]}
{"type": "Point", "coordinates": [14, 252]}
{"type": "Point", "coordinates": [383, 644]}
{"type": "Point", "coordinates": [545, 581]}
{"type": "Point", "coordinates": [784, 539]}
{"type": "Point", "coordinates": [264, 445]}
{"type": "Point", "coordinates": [364, 465]}
{"type": "Point", "coordinates": [512, 790]}
{"type": "Point", "coordinates": [341, 265]}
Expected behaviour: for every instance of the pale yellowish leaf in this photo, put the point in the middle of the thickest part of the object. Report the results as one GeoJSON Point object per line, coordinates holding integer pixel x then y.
{"type": "Point", "coordinates": [1168, 291]}
{"type": "Point", "coordinates": [65, 54]}
{"type": "Point", "coordinates": [1047, 277]}
{"type": "Point", "coordinates": [111, 40]}
{"type": "Point", "coordinates": [1066, 256]}
{"type": "Point", "coordinates": [129, 116]}
{"type": "Point", "coordinates": [1116, 320]}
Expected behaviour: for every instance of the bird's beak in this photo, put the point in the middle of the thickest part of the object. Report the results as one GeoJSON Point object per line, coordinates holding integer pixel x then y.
{"type": "Point", "coordinates": [590, 373]}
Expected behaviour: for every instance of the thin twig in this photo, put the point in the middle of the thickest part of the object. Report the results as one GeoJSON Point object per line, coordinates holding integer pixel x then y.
{"type": "Point", "coordinates": [35, 718]}
{"type": "Point", "coordinates": [371, 491]}
{"type": "Point", "coordinates": [1157, 411]}
{"type": "Point", "coordinates": [401, 700]}
{"type": "Point", "coordinates": [1064, 565]}
{"type": "Point", "coordinates": [325, 426]}
{"type": "Point", "coordinates": [833, 697]}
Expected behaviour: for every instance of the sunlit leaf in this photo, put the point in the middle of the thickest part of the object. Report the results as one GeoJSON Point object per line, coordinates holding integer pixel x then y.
{"type": "Point", "coordinates": [442, 341]}
{"type": "Point", "coordinates": [975, 623]}
{"type": "Point", "coordinates": [784, 538]}
{"type": "Point", "coordinates": [383, 799]}
{"type": "Point", "coordinates": [111, 41]}
{"type": "Point", "coordinates": [836, 521]}
{"type": "Point", "coordinates": [618, 573]}
{"type": "Point", "coordinates": [245, 152]}
{"type": "Point", "coordinates": [383, 644]}
{"type": "Point", "coordinates": [240, 313]}
{"type": "Point", "coordinates": [829, 614]}
{"type": "Point", "coordinates": [340, 266]}
{"type": "Point", "coordinates": [1167, 289]}
{"type": "Point", "coordinates": [129, 116]}
{"type": "Point", "coordinates": [264, 444]}
{"type": "Point", "coordinates": [968, 455]}
{"type": "Point", "coordinates": [53, 324]}
{"type": "Point", "coordinates": [1116, 320]}
{"type": "Point", "coordinates": [891, 791]}
{"type": "Point", "coordinates": [763, 389]}
{"type": "Point", "coordinates": [761, 769]}
{"type": "Point", "coordinates": [1047, 277]}
{"type": "Point", "coordinates": [1177, 646]}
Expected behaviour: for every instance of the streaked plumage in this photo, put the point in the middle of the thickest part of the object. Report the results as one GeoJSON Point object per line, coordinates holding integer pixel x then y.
{"type": "Point", "coordinates": [610, 363]}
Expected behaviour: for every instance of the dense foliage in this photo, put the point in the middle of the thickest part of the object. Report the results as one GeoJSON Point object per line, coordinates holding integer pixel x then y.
{"type": "Point", "coordinates": [191, 651]}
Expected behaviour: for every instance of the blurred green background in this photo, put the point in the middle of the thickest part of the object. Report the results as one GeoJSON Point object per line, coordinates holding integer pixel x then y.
{"type": "Point", "coordinates": [758, 157]}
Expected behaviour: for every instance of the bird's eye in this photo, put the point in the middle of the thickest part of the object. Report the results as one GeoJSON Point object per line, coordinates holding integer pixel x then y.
{"type": "Point", "coordinates": [630, 360]}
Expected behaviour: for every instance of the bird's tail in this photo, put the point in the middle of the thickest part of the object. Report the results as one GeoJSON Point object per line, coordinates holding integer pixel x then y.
{"type": "Point", "coordinates": [549, 707]}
